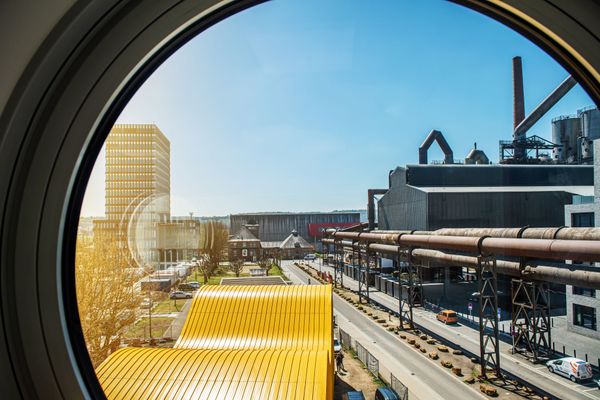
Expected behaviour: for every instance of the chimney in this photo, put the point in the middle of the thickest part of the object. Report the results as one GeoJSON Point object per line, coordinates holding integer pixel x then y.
{"type": "Point", "coordinates": [519, 100]}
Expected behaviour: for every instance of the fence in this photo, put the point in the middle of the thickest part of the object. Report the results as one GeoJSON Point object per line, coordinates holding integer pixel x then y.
{"type": "Point", "coordinates": [372, 363]}
{"type": "Point", "coordinates": [345, 339]}
{"type": "Point", "coordinates": [398, 387]}
{"type": "Point", "coordinates": [367, 358]}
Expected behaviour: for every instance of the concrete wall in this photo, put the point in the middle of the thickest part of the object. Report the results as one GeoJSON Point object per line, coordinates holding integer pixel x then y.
{"type": "Point", "coordinates": [587, 301]}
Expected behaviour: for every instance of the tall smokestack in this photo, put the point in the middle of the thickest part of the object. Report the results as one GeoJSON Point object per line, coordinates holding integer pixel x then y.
{"type": "Point", "coordinates": [519, 100]}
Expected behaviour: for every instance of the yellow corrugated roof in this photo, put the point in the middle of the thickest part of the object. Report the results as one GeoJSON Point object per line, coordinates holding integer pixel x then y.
{"type": "Point", "coordinates": [246, 342]}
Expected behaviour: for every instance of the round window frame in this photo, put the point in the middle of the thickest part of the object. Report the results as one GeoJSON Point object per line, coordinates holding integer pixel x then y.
{"type": "Point", "coordinates": [55, 123]}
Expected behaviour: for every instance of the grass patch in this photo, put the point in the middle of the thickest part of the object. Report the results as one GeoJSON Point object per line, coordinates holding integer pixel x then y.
{"type": "Point", "coordinates": [140, 328]}
{"type": "Point", "coordinates": [168, 306]}
{"type": "Point", "coordinates": [277, 271]}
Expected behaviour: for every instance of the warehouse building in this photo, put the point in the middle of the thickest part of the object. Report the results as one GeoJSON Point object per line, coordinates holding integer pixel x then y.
{"type": "Point", "coordinates": [429, 197]}
{"type": "Point", "coordinates": [276, 227]}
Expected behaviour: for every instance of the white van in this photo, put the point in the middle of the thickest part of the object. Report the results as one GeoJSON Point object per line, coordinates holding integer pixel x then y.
{"type": "Point", "coordinates": [570, 367]}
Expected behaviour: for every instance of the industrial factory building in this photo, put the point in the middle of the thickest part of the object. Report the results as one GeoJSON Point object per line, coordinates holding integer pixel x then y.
{"type": "Point", "coordinates": [429, 197]}
{"type": "Point", "coordinates": [277, 226]}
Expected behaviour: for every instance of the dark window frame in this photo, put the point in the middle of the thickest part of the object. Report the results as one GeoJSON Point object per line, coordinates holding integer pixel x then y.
{"type": "Point", "coordinates": [581, 314]}
{"type": "Point", "coordinates": [581, 291]}
{"type": "Point", "coordinates": [582, 219]}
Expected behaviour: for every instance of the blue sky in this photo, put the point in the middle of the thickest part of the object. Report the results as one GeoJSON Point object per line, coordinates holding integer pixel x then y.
{"type": "Point", "coordinates": [260, 104]}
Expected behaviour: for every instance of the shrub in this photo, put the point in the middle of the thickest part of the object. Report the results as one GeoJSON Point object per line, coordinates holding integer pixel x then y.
{"type": "Point", "coordinates": [457, 371]}
{"type": "Point", "coordinates": [446, 363]}
{"type": "Point", "coordinates": [489, 390]}
{"type": "Point", "coordinates": [433, 355]}
{"type": "Point", "coordinates": [443, 349]}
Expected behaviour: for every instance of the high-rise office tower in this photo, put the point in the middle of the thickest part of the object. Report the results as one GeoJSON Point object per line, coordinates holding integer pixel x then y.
{"type": "Point", "coordinates": [137, 194]}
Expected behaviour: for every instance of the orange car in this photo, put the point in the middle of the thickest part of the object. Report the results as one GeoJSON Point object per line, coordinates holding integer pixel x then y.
{"type": "Point", "coordinates": [447, 316]}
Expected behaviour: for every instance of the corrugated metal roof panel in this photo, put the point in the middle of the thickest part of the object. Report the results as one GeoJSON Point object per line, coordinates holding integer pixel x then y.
{"type": "Point", "coordinates": [242, 342]}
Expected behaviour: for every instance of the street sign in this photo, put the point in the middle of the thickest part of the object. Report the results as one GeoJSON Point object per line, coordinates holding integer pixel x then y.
{"type": "Point", "coordinates": [470, 306]}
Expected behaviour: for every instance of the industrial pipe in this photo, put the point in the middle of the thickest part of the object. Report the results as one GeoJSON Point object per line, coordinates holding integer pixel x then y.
{"type": "Point", "coordinates": [543, 107]}
{"type": "Point", "coordinates": [580, 250]}
{"type": "Point", "coordinates": [371, 193]}
{"type": "Point", "coordinates": [566, 274]}
{"type": "Point", "coordinates": [437, 136]}
{"type": "Point", "coordinates": [562, 233]}
{"type": "Point", "coordinates": [563, 275]}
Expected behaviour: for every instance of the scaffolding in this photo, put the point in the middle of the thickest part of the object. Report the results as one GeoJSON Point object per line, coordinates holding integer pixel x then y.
{"type": "Point", "coordinates": [410, 287]}
{"type": "Point", "coordinates": [531, 319]}
{"type": "Point", "coordinates": [489, 348]}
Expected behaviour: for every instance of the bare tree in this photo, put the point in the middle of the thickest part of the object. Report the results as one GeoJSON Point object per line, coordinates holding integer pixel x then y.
{"type": "Point", "coordinates": [236, 266]}
{"type": "Point", "coordinates": [105, 295]}
{"type": "Point", "coordinates": [213, 247]}
{"type": "Point", "coordinates": [266, 263]}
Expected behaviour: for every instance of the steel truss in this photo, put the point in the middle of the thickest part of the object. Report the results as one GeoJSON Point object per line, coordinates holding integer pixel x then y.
{"type": "Point", "coordinates": [363, 284]}
{"type": "Point", "coordinates": [531, 319]}
{"type": "Point", "coordinates": [338, 265]}
{"type": "Point", "coordinates": [409, 280]}
{"type": "Point", "coordinates": [489, 348]}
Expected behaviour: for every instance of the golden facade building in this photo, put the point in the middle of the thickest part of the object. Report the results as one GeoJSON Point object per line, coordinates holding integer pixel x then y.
{"type": "Point", "coordinates": [137, 193]}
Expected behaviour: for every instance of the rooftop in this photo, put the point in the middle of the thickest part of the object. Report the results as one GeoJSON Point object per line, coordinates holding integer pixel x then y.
{"type": "Point", "coordinates": [578, 190]}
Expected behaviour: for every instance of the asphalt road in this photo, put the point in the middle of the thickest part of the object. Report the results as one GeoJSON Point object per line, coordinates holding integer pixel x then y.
{"type": "Point", "coordinates": [425, 379]}
{"type": "Point", "coordinates": [468, 339]}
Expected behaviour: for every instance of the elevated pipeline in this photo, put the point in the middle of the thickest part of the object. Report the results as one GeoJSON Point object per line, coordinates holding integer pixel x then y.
{"type": "Point", "coordinates": [567, 274]}
{"type": "Point", "coordinates": [554, 249]}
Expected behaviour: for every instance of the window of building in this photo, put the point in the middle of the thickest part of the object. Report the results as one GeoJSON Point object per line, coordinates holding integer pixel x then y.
{"type": "Point", "coordinates": [584, 291]}
{"type": "Point", "coordinates": [584, 316]}
{"type": "Point", "coordinates": [582, 220]}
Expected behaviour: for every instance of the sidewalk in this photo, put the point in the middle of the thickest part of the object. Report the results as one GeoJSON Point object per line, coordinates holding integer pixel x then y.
{"type": "Point", "coordinates": [177, 325]}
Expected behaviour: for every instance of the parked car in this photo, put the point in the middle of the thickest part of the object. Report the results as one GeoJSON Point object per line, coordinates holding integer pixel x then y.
{"type": "Point", "coordinates": [353, 395]}
{"type": "Point", "coordinates": [447, 317]}
{"type": "Point", "coordinates": [146, 303]}
{"type": "Point", "coordinates": [186, 287]}
{"type": "Point", "coordinates": [337, 346]}
{"type": "Point", "coordinates": [570, 367]}
{"type": "Point", "coordinates": [386, 393]}
{"type": "Point", "coordinates": [195, 284]}
{"type": "Point", "coordinates": [178, 294]}
{"type": "Point", "coordinates": [310, 257]}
